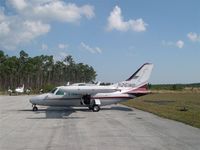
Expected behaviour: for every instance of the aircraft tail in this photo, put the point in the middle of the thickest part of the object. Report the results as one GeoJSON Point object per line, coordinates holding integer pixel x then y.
{"type": "Point", "coordinates": [142, 75]}
{"type": "Point", "coordinates": [139, 80]}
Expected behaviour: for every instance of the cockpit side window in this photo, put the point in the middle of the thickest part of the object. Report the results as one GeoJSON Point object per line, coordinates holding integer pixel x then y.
{"type": "Point", "coordinates": [52, 91]}
{"type": "Point", "coordinates": [60, 92]}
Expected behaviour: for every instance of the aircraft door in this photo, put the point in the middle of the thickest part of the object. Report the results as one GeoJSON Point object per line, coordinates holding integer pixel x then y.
{"type": "Point", "coordinates": [86, 99]}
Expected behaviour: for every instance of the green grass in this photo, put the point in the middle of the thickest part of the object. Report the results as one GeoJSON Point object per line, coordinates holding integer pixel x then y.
{"type": "Point", "coordinates": [171, 105]}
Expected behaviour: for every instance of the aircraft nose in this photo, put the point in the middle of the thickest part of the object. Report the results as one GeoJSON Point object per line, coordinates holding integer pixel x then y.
{"type": "Point", "coordinates": [33, 100]}
{"type": "Point", "coordinates": [37, 99]}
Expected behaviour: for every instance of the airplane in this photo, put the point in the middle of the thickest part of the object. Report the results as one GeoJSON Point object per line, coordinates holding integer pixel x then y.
{"type": "Point", "coordinates": [95, 96]}
{"type": "Point", "coordinates": [20, 89]}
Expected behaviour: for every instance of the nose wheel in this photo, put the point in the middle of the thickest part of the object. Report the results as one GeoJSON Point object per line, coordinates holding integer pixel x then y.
{"type": "Point", "coordinates": [35, 108]}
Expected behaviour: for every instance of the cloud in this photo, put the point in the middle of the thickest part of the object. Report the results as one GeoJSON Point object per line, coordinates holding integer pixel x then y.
{"type": "Point", "coordinates": [60, 11]}
{"type": "Point", "coordinates": [90, 49]}
{"type": "Point", "coordinates": [63, 54]}
{"type": "Point", "coordinates": [179, 43]}
{"type": "Point", "coordinates": [194, 37]}
{"type": "Point", "coordinates": [17, 4]}
{"type": "Point", "coordinates": [167, 43]}
{"type": "Point", "coordinates": [15, 31]}
{"type": "Point", "coordinates": [52, 10]}
{"type": "Point", "coordinates": [63, 46]}
{"type": "Point", "coordinates": [116, 21]}
{"type": "Point", "coordinates": [60, 56]}
{"type": "Point", "coordinates": [2, 16]}
{"type": "Point", "coordinates": [4, 25]}
{"type": "Point", "coordinates": [32, 29]}
{"type": "Point", "coordinates": [4, 28]}
{"type": "Point", "coordinates": [30, 19]}
{"type": "Point", "coordinates": [45, 47]}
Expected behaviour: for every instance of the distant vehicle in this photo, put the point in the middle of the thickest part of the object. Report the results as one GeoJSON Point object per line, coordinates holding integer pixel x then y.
{"type": "Point", "coordinates": [10, 91]}
{"type": "Point", "coordinates": [93, 96]}
{"type": "Point", "coordinates": [20, 89]}
{"type": "Point", "coordinates": [28, 91]}
{"type": "Point", "coordinates": [41, 91]}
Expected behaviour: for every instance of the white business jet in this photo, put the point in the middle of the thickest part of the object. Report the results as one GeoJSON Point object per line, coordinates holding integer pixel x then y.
{"type": "Point", "coordinates": [94, 96]}
{"type": "Point", "coordinates": [20, 89]}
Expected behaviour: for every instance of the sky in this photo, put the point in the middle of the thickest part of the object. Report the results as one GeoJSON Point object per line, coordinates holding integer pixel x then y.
{"type": "Point", "coordinates": [115, 37]}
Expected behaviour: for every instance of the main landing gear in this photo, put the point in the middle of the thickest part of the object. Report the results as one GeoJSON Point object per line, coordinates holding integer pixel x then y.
{"type": "Point", "coordinates": [35, 108]}
{"type": "Point", "coordinates": [93, 104]}
{"type": "Point", "coordinates": [95, 108]}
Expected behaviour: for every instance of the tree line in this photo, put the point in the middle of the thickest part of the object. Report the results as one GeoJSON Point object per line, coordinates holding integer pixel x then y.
{"type": "Point", "coordinates": [40, 71]}
{"type": "Point", "coordinates": [173, 86]}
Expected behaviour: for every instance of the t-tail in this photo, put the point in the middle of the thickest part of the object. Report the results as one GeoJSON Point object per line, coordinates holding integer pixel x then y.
{"type": "Point", "coordinates": [138, 82]}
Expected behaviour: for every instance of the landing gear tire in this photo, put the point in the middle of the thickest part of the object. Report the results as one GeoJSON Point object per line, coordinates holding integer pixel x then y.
{"type": "Point", "coordinates": [35, 108]}
{"type": "Point", "coordinates": [96, 108]}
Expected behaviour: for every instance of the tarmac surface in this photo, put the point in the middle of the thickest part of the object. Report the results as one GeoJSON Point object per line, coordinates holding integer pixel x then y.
{"type": "Point", "coordinates": [114, 127]}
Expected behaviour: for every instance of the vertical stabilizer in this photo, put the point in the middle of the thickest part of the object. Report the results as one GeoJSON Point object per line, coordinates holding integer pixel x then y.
{"type": "Point", "coordinates": [140, 77]}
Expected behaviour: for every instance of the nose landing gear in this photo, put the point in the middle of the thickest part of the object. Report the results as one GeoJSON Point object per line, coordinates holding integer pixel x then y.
{"type": "Point", "coordinates": [35, 108]}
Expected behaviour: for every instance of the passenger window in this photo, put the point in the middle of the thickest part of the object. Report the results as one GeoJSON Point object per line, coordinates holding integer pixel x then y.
{"type": "Point", "coordinates": [60, 92]}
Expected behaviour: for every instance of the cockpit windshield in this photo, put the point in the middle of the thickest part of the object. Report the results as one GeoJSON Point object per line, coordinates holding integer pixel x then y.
{"type": "Point", "coordinates": [60, 92]}
{"type": "Point", "coordinates": [57, 91]}
{"type": "Point", "coordinates": [53, 91]}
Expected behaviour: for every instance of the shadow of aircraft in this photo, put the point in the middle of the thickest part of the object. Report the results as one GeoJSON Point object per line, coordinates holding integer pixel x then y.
{"type": "Point", "coordinates": [120, 108]}
{"type": "Point", "coordinates": [54, 113]}
{"type": "Point", "coordinates": [65, 112]}
{"type": "Point", "coordinates": [57, 113]}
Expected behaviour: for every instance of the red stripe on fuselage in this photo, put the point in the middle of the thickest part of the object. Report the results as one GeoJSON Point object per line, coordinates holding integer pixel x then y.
{"type": "Point", "coordinates": [113, 97]}
{"type": "Point", "coordinates": [142, 89]}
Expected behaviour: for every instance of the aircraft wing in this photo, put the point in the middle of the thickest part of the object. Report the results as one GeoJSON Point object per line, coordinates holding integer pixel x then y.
{"type": "Point", "coordinates": [88, 89]}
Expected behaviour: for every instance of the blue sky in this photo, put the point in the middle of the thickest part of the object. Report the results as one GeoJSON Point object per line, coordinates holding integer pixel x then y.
{"type": "Point", "coordinates": [115, 37]}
